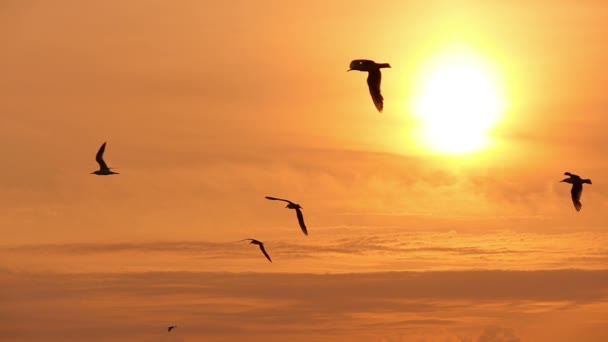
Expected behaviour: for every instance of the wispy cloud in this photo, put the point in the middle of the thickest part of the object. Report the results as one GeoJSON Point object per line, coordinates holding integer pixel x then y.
{"type": "Point", "coordinates": [355, 250]}
{"type": "Point", "coordinates": [494, 333]}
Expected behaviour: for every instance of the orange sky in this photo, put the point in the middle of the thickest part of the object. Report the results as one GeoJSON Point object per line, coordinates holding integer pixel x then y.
{"type": "Point", "coordinates": [209, 106]}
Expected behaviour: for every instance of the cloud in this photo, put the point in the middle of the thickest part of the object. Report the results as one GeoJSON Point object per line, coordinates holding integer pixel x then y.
{"type": "Point", "coordinates": [399, 290]}
{"type": "Point", "coordinates": [229, 306]}
{"type": "Point", "coordinates": [494, 333]}
{"type": "Point", "coordinates": [285, 249]}
{"type": "Point", "coordinates": [335, 249]}
{"type": "Point", "coordinates": [100, 248]}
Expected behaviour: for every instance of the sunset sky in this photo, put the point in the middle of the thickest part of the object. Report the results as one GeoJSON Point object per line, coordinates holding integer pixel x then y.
{"type": "Point", "coordinates": [440, 219]}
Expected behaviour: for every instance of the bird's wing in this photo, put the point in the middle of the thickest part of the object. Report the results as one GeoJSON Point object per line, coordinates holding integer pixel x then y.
{"type": "Point", "coordinates": [99, 157]}
{"type": "Point", "coordinates": [278, 199]}
{"type": "Point", "coordinates": [577, 190]}
{"type": "Point", "coordinates": [301, 221]}
{"type": "Point", "coordinates": [264, 251]}
{"type": "Point", "coordinates": [374, 79]}
{"type": "Point", "coordinates": [572, 175]}
{"type": "Point", "coordinates": [247, 240]}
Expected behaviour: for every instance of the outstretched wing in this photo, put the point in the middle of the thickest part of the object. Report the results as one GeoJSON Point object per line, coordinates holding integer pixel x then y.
{"type": "Point", "coordinates": [374, 78]}
{"type": "Point", "coordinates": [264, 251]}
{"type": "Point", "coordinates": [278, 199]}
{"type": "Point", "coordinates": [99, 157]}
{"type": "Point", "coordinates": [576, 192]}
{"type": "Point", "coordinates": [301, 221]}
{"type": "Point", "coordinates": [572, 175]}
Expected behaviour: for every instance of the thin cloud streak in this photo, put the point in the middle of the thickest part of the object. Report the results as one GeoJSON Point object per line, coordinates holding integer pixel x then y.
{"type": "Point", "coordinates": [356, 250]}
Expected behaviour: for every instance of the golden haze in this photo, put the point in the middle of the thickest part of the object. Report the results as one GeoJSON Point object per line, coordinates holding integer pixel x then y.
{"type": "Point", "coordinates": [209, 106]}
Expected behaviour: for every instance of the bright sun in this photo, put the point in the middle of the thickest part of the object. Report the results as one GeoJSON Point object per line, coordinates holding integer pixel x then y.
{"type": "Point", "coordinates": [458, 101]}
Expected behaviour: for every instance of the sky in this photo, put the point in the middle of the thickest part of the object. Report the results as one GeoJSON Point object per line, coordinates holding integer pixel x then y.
{"type": "Point", "coordinates": [207, 107]}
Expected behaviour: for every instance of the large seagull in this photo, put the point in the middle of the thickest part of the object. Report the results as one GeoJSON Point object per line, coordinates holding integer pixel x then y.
{"type": "Point", "coordinates": [374, 78]}
{"type": "Point", "coordinates": [297, 208]}
{"type": "Point", "coordinates": [577, 188]}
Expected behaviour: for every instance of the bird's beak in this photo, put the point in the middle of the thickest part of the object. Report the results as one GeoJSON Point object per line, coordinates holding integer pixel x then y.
{"type": "Point", "coordinates": [349, 70]}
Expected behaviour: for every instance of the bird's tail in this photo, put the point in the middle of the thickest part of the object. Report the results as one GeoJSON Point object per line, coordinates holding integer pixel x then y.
{"type": "Point", "coordinates": [588, 181]}
{"type": "Point", "coordinates": [384, 65]}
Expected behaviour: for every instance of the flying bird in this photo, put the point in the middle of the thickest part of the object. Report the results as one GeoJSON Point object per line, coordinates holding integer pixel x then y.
{"type": "Point", "coordinates": [374, 77]}
{"type": "Point", "coordinates": [577, 188]}
{"type": "Point", "coordinates": [259, 243]}
{"type": "Point", "coordinates": [297, 208]}
{"type": "Point", "coordinates": [104, 170]}
{"type": "Point", "coordinates": [171, 328]}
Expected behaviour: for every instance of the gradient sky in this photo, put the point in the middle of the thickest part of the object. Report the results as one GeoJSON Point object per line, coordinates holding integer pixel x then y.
{"type": "Point", "coordinates": [207, 107]}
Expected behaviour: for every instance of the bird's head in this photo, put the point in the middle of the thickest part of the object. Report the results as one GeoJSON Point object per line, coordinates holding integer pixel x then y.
{"type": "Point", "coordinates": [361, 65]}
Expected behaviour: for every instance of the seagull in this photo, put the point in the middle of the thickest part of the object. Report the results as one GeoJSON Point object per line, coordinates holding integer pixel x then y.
{"type": "Point", "coordinates": [373, 78]}
{"type": "Point", "coordinates": [259, 243]}
{"type": "Point", "coordinates": [171, 328]}
{"type": "Point", "coordinates": [295, 206]}
{"type": "Point", "coordinates": [104, 170]}
{"type": "Point", "coordinates": [577, 188]}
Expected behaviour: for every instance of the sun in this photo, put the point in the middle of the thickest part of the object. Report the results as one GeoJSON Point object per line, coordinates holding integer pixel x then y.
{"type": "Point", "coordinates": [458, 100]}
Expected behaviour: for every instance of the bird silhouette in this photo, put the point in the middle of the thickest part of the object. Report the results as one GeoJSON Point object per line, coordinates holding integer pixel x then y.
{"type": "Point", "coordinates": [374, 78]}
{"type": "Point", "coordinates": [171, 328]}
{"type": "Point", "coordinates": [104, 170]}
{"type": "Point", "coordinates": [297, 208]}
{"type": "Point", "coordinates": [259, 243]}
{"type": "Point", "coordinates": [577, 188]}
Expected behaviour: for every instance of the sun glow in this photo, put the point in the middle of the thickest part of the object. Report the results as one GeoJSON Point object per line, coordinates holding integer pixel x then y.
{"type": "Point", "coordinates": [458, 101]}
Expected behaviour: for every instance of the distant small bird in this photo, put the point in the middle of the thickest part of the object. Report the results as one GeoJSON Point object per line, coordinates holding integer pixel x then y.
{"type": "Point", "coordinates": [577, 188]}
{"type": "Point", "coordinates": [259, 243]}
{"type": "Point", "coordinates": [171, 328]}
{"type": "Point", "coordinates": [104, 170]}
{"type": "Point", "coordinates": [374, 77]}
{"type": "Point", "coordinates": [295, 206]}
